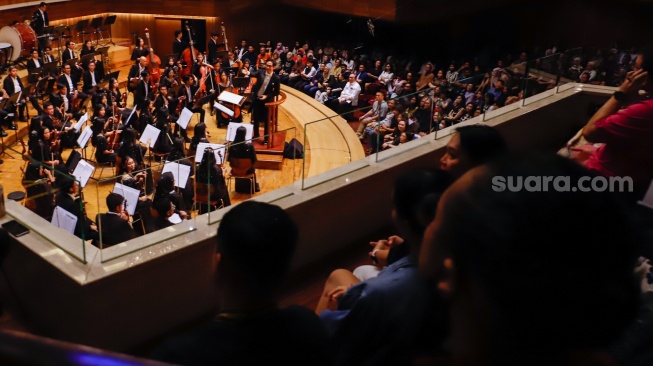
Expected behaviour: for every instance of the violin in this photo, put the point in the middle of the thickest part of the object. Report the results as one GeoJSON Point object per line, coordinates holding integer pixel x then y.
{"type": "Point", "coordinates": [234, 107]}
{"type": "Point", "coordinates": [153, 63]}
{"type": "Point", "coordinates": [189, 54]}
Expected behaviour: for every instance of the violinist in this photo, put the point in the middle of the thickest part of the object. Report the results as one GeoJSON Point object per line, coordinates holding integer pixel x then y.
{"type": "Point", "coordinates": [68, 199]}
{"type": "Point", "coordinates": [45, 150]}
{"type": "Point", "coordinates": [200, 134]}
{"type": "Point", "coordinates": [118, 100]}
{"type": "Point", "coordinates": [62, 112]}
{"type": "Point", "coordinates": [48, 117]}
{"type": "Point", "coordinates": [171, 66]}
{"type": "Point", "coordinates": [212, 172]}
{"type": "Point", "coordinates": [140, 50]}
{"type": "Point", "coordinates": [143, 92]}
{"type": "Point", "coordinates": [220, 87]}
{"type": "Point", "coordinates": [200, 66]}
{"type": "Point", "coordinates": [69, 52]}
{"type": "Point", "coordinates": [136, 179]}
{"type": "Point", "coordinates": [98, 122]}
{"type": "Point", "coordinates": [70, 80]}
{"type": "Point", "coordinates": [103, 153]}
{"type": "Point", "coordinates": [189, 92]}
{"type": "Point", "coordinates": [114, 225]}
{"type": "Point", "coordinates": [230, 61]}
{"type": "Point", "coordinates": [163, 143]}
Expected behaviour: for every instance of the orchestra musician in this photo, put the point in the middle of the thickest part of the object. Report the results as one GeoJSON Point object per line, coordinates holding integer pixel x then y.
{"type": "Point", "coordinates": [45, 151]}
{"type": "Point", "coordinates": [242, 50]}
{"type": "Point", "coordinates": [114, 225]}
{"type": "Point", "coordinates": [34, 62]}
{"type": "Point", "coordinates": [211, 172]}
{"type": "Point", "coordinates": [265, 90]}
{"type": "Point", "coordinates": [133, 178]}
{"type": "Point", "coordinates": [67, 198]}
{"type": "Point", "coordinates": [163, 143]}
{"type": "Point", "coordinates": [135, 73]}
{"type": "Point", "coordinates": [98, 122]}
{"type": "Point", "coordinates": [172, 66]}
{"type": "Point", "coordinates": [5, 120]}
{"type": "Point", "coordinates": [165, 101]}
{"type": "Point", "coordinates": [140, 50]}
{"type": "Point", "coordinates": [39, 22]}
{"type": "Point", "coordinates": [179, 44]}
{"type": "Point", "coordinates": [230, 61]}
{"type": "Point", "coordinates": [13, 85]}
{"type": "Point", "coordinates": [165, 188]}
{"type": "Point", "coordinates": [169, 79]}
{"type": "Point", "coordinates": [91, 79]}
{"type": "Point", "coordinates": [62, 109]}
{"type": "Point", "coordinates": [212, 47]}
{"type": "Point", "coordinates": [47, 57]}
{"type": "Point", "coordinates": [200, 134]}
{"type": "Point", "coordinates": [143, 92]}
{"type": "Point", "coordinates": [240, 149]}
{"type": "Point", "coordinates": [103, 153]}
{"type": "Point", "coordinates": [189, 90]}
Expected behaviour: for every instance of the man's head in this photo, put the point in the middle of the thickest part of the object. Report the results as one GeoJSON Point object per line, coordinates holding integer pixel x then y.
{"type": "Point", "coordinates": [164, 208]}
{"type": "Point", "coordinates": [531, 273]}
{"type": "Point", "coordinates": [91, 66]}
{"type": "Point", "coordinates": [269, 66]}
{"type": "Point", "coordinates": [114, 202]}
{"type": "Point", "coordinates": [255, 257]}
{"type": "Point", "coordinates": [66, 69]}
{"type": "Point", "coordinates": [63, 90]}
{"type": "Point", "coordinates": [48, 108]}
{"type": "Point", "coordinates": [35, 53]}
{"type": "Point", "coordinates": [379, 96]}
{"type": "Point", "coordinates": [43, 6]}
{"type": "Point", "coordinates": [178, 34]}
{"type": "Point", "coordinates": [13, 71]}
{"type": "Point", "coordinates": [142, 61]}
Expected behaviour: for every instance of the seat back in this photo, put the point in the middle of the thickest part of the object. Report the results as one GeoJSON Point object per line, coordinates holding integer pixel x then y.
{"type": "Point", "coordinates": [240, 166]}
{"type": "Point", "coordinates": [203, 191]}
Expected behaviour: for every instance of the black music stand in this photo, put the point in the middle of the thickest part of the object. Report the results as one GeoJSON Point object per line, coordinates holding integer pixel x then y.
{"type": "Point", "coordinates": [108, 22]}
{"type": "Point", "coordinates": [81, 29]}
{"type": "Point", "coordinates": [3, 106]}
{"type": "Point", "coordinates": [111, 75]}
{"type": "Point", "coordinates": [51, 68]}
{"type": "Point", "coordinates": [34, 75]}
{"type": "Point", "coordinates": [200, 102]}
{"type": "Point", "coordinates": [95, 24]}
{"type": "Point", "coordinates": [240, 83]}
{"type": "Point", "coordinates": [231, 71]}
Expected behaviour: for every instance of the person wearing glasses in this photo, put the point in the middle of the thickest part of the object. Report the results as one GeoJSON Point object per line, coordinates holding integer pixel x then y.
{"type": "Point", "coordinates": [265, 90]}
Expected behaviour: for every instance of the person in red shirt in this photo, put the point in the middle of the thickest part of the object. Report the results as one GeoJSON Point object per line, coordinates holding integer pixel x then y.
{"type": "Point", "coordinates": [625, 125]}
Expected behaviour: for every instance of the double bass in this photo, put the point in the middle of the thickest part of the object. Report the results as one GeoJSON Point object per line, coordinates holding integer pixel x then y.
{"type": "Point", "coordinates": [153, 63]}
{"type": "Point", "coordinates": [189, 54]}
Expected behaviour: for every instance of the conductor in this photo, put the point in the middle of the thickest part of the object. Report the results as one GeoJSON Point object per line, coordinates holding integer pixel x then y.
{"type": "Point", "coordinates": [265, 90]}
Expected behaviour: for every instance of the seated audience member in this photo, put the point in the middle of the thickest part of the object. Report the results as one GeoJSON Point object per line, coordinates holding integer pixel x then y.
{"type": "Point", "coordinates": [348, 98]}
{"type": "Point", "coordinates": [251, 328]}
{"type": "Point", "coordinates": [378, 112]}
{"type": "Point", "coordinates": [520, 277]}
{"type": "Point", "coordinates": [471, 146]}
{"type": "Point", "coordinates": [389, 316]}
{"type": "Point", "coordinates": [627, 133]}
{"type": "Point", "coordinates": [114, 225]}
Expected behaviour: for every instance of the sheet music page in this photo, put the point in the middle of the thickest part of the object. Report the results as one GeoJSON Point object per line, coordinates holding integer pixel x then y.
{"type": "Point", "coordinates": [64, 219]}
{"type": "Point", "coordinates": [83, 138]}
{"type": "Point", "coordinates": [78, 125]}
{"type": "Point", "coordinates": [83, 172]}
{"type": "Point", "coordinates": [151, 133]}
{"type": "Point", "coordinates": [230, 97]}
{"type": "Point", "coordinates": [224, 109]}
{"type": "Point", "coordinates": [184, 118]}
{"type": "Point", "coordinates": [175, 219]}
{"type": "Point", "coordinates": [233, 126]}
{"type": "Point", "coordinates": [129, 194]}
{"type": "Point", "coordinates": [179, 171]}
{"type": "Point", "coordinates": [130, 117]}
{"type": "Point", "coordinates": [217, 150]}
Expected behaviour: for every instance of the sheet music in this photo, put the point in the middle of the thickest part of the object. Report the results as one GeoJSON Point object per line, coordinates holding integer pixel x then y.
{"type": "Point", "coordinates": [229, 97]}
{"type": "Point", "coordinates": [217, 148]}
{"type": "Point", "coordinates": [130, 117]}
{"type": "Point", "coordinates": [82, 140]}
{"type": "Point", "coordinates": [233, 126]}
{"type": "Point", "coordinates": [175, 219]}
{"type": "Point", "coordinates": [64, 219]}
{"type": "Point", "coordinates": [184, 118]}
{"type": "Point", "coordinates": [150, 134]}
{"type": "Point", "coordinates": [83, 171]}
{"type": "Point", "coordinates": [179, 171]}
{"type": "Point", "coordinates": [129, 194]}
{"type": "Point", "coordinates": [224, 109]}
{"type": "Point", "coordinates": [78, 125]}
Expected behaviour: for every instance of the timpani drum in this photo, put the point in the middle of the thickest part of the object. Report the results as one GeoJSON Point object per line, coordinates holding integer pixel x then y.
{"type": "Point", "coordinates": [21, 37]}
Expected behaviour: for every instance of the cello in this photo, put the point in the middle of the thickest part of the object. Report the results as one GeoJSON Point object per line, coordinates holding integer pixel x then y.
{"type": "Point", "coordinates": [189, 54]}
{"type": "Point", "coordinates": [153, 63]}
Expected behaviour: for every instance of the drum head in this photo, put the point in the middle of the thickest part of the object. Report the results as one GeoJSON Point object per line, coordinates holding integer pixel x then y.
{"type": "Point", "coordinates": [10, 35]}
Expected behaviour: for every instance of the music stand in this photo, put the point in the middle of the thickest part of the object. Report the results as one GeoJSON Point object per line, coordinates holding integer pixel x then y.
{"type": "Point", "coordinates": [96, 23]}
{"type": "Point", "coordinates": [3, 106]}
{"type": "Point", "coordinates": [109, 21]}
{"type": "Point", "coordinates": [231, 70]}
{"type": "Point", "coordinates": [34, 75]}
{"type": "Point", "coordinates": [87, 58]}
{"type": "Point", "coordinates": [199, 103]}
{"type": "Point", "coordinates": [240, 83]}
{"type": "Point", "coordinates": [72, 62]}
{"type": "Point", "coordinates": [111, 75]}
{"type": "Point", "coordinates": [51, 68]}
{"type": "Point", "coordinates": [81, 29]}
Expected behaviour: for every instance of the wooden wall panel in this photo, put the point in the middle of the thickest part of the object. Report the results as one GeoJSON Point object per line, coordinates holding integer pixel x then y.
{"type": "Point", "coordinates": [384, 9]}
{"type": "Point", "coordinates": [56, 11]}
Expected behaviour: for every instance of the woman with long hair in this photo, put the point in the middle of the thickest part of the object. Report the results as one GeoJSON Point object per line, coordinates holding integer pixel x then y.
{"type": "Point", "coordinates": [240, 149]}
{"type": "Point", "coordinates": [210, 173]}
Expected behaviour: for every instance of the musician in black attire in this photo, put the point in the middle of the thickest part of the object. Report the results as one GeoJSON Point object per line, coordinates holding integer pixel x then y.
{"type": "Point", "coordinates": [91, 78]}
{"type": "Point", "coordinates": [265, 90]}
{"type": "Point", "coordinates": [62, 111]}
{"type": "Point", "coordinates": [143, 92]}
{"type": "Point", "coordinates": [179, 44]}
{"type": "Point", "coordinates": [135, 73]}
{"type": "Point", "coordinates": [163, 144]}
{"type": "Point", "coordinates": [47, 56]}
{"type": "Point", "coordinates": [68, 200]}
{"type": "Point", "coordinates": [39, 22]}
{"type": "Point", "coordinates": [34, 62]}
{"type": "Point", "coordinates": [140, 50]}
{"type": "Point", "coordinates": [163, 208]}
{"type": "Point", "coordinates": [213, 47]}
{"type": "Point", "coordinates": [13, 85]}
{"type": "Point", "coordinates": [187, 93]}
{"type": "Point", "coordinates": [165, 188]}
{"type": "Point", "coordinates": [209, 172]}
{"type": "Point", "coordinates": [103, 153]}
{"type": "Point", "coordinates": [114, 225]}
{"type": "Point", "coordinates": [240, 149]}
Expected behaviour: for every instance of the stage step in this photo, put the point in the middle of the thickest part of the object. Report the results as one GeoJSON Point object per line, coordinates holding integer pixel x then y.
{"type": "Point", "coordinates": [269, 161]}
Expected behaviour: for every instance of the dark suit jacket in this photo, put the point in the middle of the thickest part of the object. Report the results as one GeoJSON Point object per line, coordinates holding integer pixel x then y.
{"type": "Point", "coordinates": [62, 80]}
{"type": "Point", "coordinates": [46, 121]}
{"type": "Point", "coordinates": [65, 55]}
{"type": "Point", "coordinates": [57, 100]}
{"type": "Point", "coordinates": [271, 91]}
{"type": "Point", "coordinates": [31, 65]}
{"type": "Point", "coordinates": [39, 22]}
{"type": "Point", "coordinates": [8, 85]}
{"type": "Point", "coordinates": [183, 93]}
{"type": "Point", "coordinates": [66, 202]}
{"type": "Point", "coordinates": [139, 94]}
{"type": "Point", "coordinates": [47, 59]}
{"type": "Point", "coordinates": [179, 46]}
{"type": "Point", "coordinates": [88, 82]}
{"type": "Point", "coordinates": [213, 50]}
{"type": "Point", "coordinates": [114, 229]}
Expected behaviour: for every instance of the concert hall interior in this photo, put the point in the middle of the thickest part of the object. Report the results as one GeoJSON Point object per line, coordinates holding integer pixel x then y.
{"type": "Point", "coordinates": [246, 167]}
